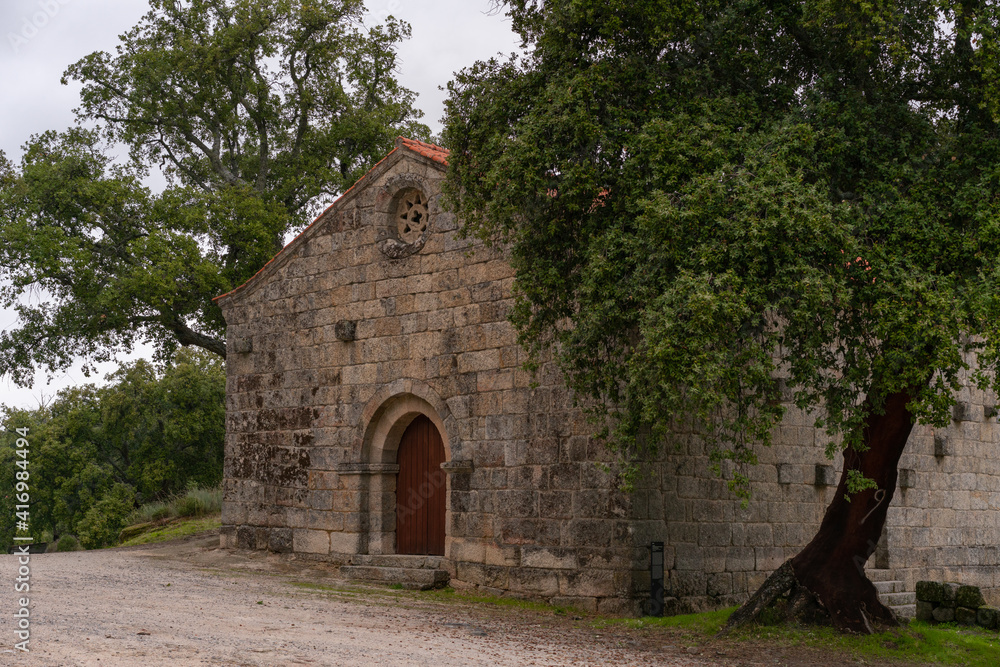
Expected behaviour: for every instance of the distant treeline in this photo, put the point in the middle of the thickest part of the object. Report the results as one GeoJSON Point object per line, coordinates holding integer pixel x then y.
{"type": "Point", "coordinates": [97, 453]}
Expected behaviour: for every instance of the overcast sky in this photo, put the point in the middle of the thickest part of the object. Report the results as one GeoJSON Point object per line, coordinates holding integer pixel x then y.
{"type": "Point", "coordinates": [40, 38]}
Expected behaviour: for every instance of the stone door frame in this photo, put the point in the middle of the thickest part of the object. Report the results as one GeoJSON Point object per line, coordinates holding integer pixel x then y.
{"type": "Point", "coordinates": [385, 419]}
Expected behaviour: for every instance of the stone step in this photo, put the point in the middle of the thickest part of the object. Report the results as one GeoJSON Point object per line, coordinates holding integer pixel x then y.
{"type": "Point", "coordinates": [907, 611]}
{"type": "Point", "coordinates": [879, 574]}
{"type": "Point", "coordinates": [893, 600]}
{"type": "Point", "coordinates": [884, 587]}
{"type": "Point", "coordinates": [397, 560]}
{"type": "Point", "coordinates": [414, 578]}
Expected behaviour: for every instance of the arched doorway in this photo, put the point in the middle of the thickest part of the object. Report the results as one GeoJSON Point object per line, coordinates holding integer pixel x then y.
{"type": "Point", "coordinates": [420, 490]}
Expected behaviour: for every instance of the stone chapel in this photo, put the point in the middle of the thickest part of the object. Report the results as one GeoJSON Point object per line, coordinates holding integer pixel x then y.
{"type": "Point", "coordinates": [378, 418]}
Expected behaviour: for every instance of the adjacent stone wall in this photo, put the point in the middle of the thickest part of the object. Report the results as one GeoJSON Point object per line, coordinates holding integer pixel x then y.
{"type": "Point", "coordinates": [944, 523]}
{"type": "Point", "coordinates": [715, 550]}
{"type": "Point", "coordinates": [944, 520]}
{"type": "Point", "coordinates": [352, 330]}
{"type": "Point", "coordinates": [946, 602]}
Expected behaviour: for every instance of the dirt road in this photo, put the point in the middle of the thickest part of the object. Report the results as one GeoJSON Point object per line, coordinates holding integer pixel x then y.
{"type": "Point", "coordinates": [190, 603]}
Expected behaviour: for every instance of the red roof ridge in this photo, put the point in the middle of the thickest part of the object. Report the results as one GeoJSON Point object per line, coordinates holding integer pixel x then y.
{"type": "Point", "coordinates": [428, 150]}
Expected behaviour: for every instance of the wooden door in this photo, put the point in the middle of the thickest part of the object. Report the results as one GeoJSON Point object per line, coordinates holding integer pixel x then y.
{"type": "Point", "coordinates": [420, 490]}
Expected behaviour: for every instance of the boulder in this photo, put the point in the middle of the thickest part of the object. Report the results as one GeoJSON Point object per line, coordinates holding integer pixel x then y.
{"type": "Point", "coordinates": [965, 616]}
{"type": "Point", "coordinates": [930, 591]}
{"type": "Point", "coordinates": [988, 617]}
{"type": "Point", "coordinates": [944, 614]}
{"type": "Point", "coordinates": [949, 592]}
{"type": "Point", "coordinates": [969, 596]}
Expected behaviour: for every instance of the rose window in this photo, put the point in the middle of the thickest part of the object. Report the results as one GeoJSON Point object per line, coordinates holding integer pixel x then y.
{"type": "Point", "coordinates": [411, 216]}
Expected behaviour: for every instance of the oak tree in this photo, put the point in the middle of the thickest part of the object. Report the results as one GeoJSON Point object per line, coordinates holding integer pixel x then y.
{"type": "Point", "coordinates": [95, 453]}
{"type": "Point", "coordinates": [253, 111]}
{"type": "Point", "coordinates": [711, 203]}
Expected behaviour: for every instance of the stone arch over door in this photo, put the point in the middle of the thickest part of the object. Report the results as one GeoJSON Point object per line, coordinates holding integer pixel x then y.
{"type": "Point", "coordinates": [386, 419]}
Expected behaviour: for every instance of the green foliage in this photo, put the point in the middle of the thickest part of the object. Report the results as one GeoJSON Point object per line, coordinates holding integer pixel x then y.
{"type": "Point", "coordinates": [153, 511]}
{"type": "Point", "coordinates": [708, 202]}
{"type": "Point", "coordinates": [148, 435]}
{"type": "Point", "coordinates": [253, 110]}
{"type": "Point", "coordinates": [199, 502]}
{"type": "Point", "coordinates": [105, 518]}
{"type": "Point", "coordinates": [67, 543]}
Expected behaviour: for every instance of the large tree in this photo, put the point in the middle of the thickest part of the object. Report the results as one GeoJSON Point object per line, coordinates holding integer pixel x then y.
{"type": "Point", "coordinates": [707, 202]}
{"type": "Point", "coordinates": [254, 111]}
{"type": "Point", "coordinates": [147, 435]}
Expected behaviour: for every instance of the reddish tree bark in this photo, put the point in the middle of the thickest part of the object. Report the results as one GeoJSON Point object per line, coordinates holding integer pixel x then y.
{"type": "Point", "coordinates": [831, 566]}
{"type": "Point", "coordinates": [830, 569]}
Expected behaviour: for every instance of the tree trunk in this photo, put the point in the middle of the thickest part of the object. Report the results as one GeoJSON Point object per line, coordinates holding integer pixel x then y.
{"type": "Point", "coordinates": [830, 569]}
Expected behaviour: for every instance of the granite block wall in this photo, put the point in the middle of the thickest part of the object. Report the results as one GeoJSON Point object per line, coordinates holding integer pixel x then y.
{"type": "Point", "coordinates": [354, 328]}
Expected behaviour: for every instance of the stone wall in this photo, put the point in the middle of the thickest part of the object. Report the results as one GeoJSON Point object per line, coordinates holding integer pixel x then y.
{"type": "Point", "coordinates": [528, 511]}
{"type": "Point", "coordinates": [943, 523]}
{"type": "Point", "coordinates": [351, 331]}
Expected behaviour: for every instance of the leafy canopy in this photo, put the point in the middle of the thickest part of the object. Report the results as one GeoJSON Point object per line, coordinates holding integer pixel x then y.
{"type": "Point", "coordinates": [710, 202]}
{"type": "Point", "coordinates": [252, 110]}
{"type": "Point", "coordinates": [150, 433]}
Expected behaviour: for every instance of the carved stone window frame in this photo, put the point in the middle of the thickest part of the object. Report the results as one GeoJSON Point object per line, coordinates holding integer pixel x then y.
{"type": "Point", "coordinates": [405, 195]}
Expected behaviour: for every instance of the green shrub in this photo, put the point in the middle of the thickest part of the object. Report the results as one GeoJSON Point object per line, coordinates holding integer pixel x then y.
{"type": "Point", "coordinates": [150, 512]}
{"type": "Point", "coordinates": [68, 543]}
{"type": "Point", "coordinates": [164, 511]}
{"type": "Point", "coordinates": [198, 502]}
{"type": "Point", "coordinates": [105, 519]}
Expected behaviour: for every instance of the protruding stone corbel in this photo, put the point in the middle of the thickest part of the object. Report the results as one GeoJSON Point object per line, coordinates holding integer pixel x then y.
{"type": "Point", "coordinates": [345, 330]}
{"type": "Point", "coordinates": [787, 473]}
{"type": "Point", "coordinates": [942, 445]}
{"type": "Point", "coordinates": [962, 412]}
{"type": "Point", "coordinates": [242, 345]}
{"type": "Point", "coordinates": [824, 475]}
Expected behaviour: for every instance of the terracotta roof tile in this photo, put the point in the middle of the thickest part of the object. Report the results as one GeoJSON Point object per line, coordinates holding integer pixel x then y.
{"type": "Point", "coordinates": [432, 151]}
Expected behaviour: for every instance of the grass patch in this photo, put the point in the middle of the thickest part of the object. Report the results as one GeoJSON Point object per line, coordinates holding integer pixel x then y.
{"type": "Point", "coordinates": [193, 502]}
{"type": "Point", "coordinates": [317, 587]}
{"type": "Point", "coordinates": [156, 521]}
{"type": "Point", "coordinates": [449, 594]}
{"type": "Point", "coordinates": [707, 623]}
{"type": "Point", "coordinates": [199, 502]}
{"type": "Point", "coordinates": [175, 529]}
{"type": "Point", "coordinates": [444, 595]}
{"type": "Point", "coordinates": [917, 642]}
{"type": "Point", "coordinates": [945, 644]}
{"type": "Point", "coordinates": [152, 512]}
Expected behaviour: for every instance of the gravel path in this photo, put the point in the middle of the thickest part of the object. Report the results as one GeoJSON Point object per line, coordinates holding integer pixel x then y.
{"type": "Point", "coordinates": [190, 603]}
